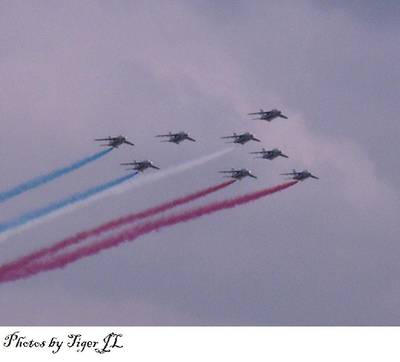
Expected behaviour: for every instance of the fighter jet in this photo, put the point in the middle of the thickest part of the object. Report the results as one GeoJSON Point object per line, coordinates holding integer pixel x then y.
{"type": "Point", "coordinates": [176, 137]}
{"type": "Point", "coordinates": [268, 115]}
{"type": "Point", "coordinates": [301, 175]}
{"type": "Point", "coordinates": [238, 174]}
{"type": "Point", "coordinates": [114, 142]}
{"type": "Point", "coordinates": [242, 138]}
{"type": "Point", "coordinates": [269, 155]}
{"type": "Point", "coordinates": [140, 166]}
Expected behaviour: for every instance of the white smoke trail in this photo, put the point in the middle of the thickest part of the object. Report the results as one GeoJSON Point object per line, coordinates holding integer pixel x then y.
{"type": "Point", "coordinates": [173, 170]}
{"type": "Point", "coordinates": [140, 181]}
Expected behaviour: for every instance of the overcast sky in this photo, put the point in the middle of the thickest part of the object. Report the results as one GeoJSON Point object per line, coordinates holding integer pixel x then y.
{"type": "Point", "coordinates": [321, 253]}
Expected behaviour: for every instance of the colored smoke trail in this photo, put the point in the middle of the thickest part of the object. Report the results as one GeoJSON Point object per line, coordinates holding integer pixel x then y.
{"type": "Point", "coordinates": [110, 226]}
{"type": "Point", "coordinates": [174, 170]}
{"type": "Point", "coordinates": [143, 180]}
{"type": "Point", "coordinates": [133, 233]}
{"type": "Point", "coordinates": [41, 180]}
{"type": "Point", "coordinates": [51, 208]}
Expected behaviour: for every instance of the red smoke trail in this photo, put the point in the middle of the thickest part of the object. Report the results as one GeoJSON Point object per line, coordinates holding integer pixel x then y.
{"type": "Point", "coordinates": [110, 226]}
{"type": "Point", "coordinates": [133, 233]}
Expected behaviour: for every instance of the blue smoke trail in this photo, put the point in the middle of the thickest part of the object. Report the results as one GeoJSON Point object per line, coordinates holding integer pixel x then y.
{"type": "Point", "coordinates": [41, 180]}
{"type": "Point", "coordinates": [49, 209]}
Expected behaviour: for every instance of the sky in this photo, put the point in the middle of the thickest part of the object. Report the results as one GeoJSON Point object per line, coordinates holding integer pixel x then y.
{"type": "Point", "coordinates": [320, 253]}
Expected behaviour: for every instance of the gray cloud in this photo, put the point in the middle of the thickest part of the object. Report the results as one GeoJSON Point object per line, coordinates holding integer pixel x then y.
{"type": "Point", "coordinates": [321, 253]}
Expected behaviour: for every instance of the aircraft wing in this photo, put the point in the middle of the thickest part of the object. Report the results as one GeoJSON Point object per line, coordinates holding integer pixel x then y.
{"type": "Point", "coordinates": [252, 176]}
{"type": "Point", "coordinates": [129, 143]}
{"type": "Point", "coordinates": [190, 139]}
{"type": "Point", "coordinates": [282, 116]}
{"type": "Point", "coordinates": [165, 135]}
{"type": "Point", "coordinates": [128, 163]}
{"type": "Point", "coordinates": [256, 139]}
{"type": "Point", "coordinates": [283, 155]}
{"type": "Point", "coordinates": [312, 176]}
{"type": "Point", "coordinates": [288, 174]}
{"type": "Point", "coordinates": [230, 137]}
{"type": "Point", "coordinates": [233, 171]}
{"type": "Point", "coordinates": [104, 139]}
{"type": "Point", "coordinates": [157, 168]}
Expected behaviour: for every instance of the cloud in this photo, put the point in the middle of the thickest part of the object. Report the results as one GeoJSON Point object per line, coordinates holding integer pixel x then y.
{"type": "Point", "coordinates": [75, 71]}
{"type": "Point", "coordinates": [85, 310]}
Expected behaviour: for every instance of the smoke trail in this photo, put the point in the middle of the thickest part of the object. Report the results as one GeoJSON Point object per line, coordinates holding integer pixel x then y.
{"type": "Point", "coordinates": [133, 233]}
{"type": "Point", "coordinates": [123, 188]}
{"type": "Point", "coordinates": [41, 180]}
{"type": "Point", "coordinates": [51, 208]}
{"type": "Point", "coordinates": [110, 226]}
{"type": "Point", "coordinates": [173, 170]}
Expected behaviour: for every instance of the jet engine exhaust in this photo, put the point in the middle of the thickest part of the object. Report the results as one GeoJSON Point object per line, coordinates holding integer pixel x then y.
{"type": "Point", "coordinates": [131, 234]}
{"type": "Point", "coordinates": [44, 179]}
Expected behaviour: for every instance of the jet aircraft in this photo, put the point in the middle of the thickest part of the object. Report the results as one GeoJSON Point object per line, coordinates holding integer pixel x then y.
{"type": "Point", "coordinates": [176, 137]}
{"type": "Point", "coordinates": [270, 154]}
{"type": "Point", "coordinates": [242, 138]}
{"type": "Point", "coordinates": [301, 175]}
{"type": "Point", "coordinates": [140, 166]}
{"type": "Point", "coordinates": [238, 174]}
{"type": "Point", "coordinates": [268, 115]}
{"type": "Point", "coordinates": [114, 142]}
